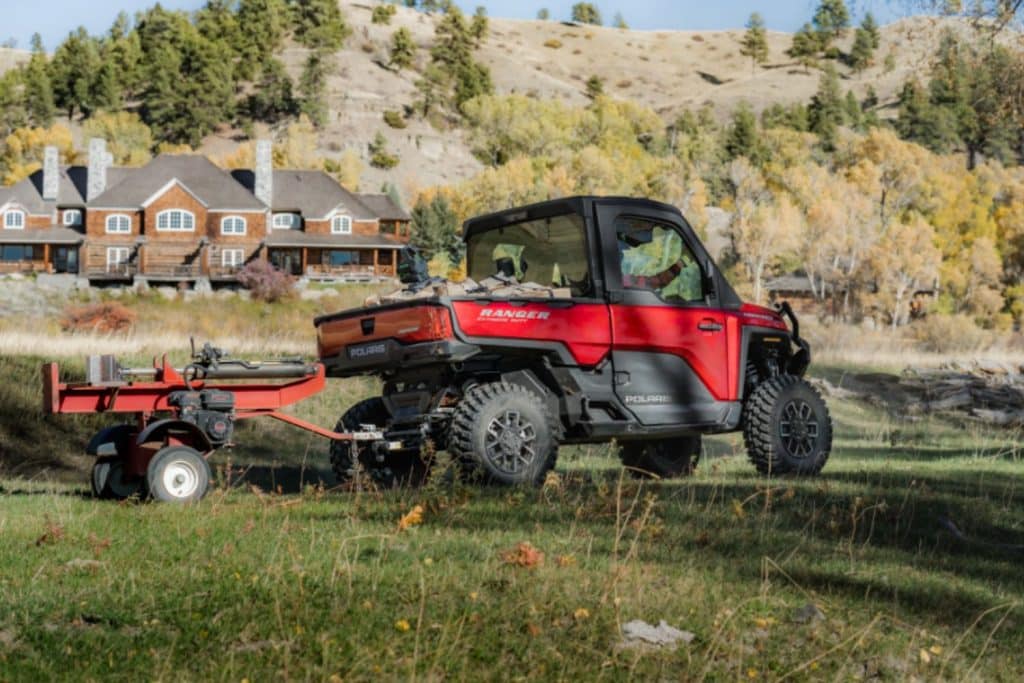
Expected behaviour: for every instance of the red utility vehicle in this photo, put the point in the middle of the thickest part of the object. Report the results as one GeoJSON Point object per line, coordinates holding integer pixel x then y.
{"type": "Point", "coordinates": [625, 329]}
{"type": "Point", "coordinates": [610, 321]}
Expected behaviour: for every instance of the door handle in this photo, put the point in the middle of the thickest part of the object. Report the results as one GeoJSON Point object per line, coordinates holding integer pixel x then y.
{"type": "Point", "coordinates": [709, 325]}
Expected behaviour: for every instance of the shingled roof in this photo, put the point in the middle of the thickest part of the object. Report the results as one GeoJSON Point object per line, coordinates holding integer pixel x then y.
{"type": "Point", "coordinates": [384, 207]}
{"type": "Point", "coordinates": [208, 183]}
{"type": "Point", "coordinates": [313, 193]}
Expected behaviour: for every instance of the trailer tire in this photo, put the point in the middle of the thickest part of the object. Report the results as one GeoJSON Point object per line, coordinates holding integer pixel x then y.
{"type": "Point", "coordinates": [178, 474]}
{"type": "Point", "coordinates": [505, 433]}
{"type": "Point", "coordinates": [661, 458]}
{"type": "Point", "coordinates": [787, 427]}
{"type": "Point", "coordinates": [349, 460]}
{"type": "Point", "coordinates": [108, 481]}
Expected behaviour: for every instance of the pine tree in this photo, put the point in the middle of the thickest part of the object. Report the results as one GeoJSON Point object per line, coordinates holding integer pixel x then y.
{"type": "Point", "coordinates": [755, 42]}
{"type": "Point", "coordinates": [452, 54]}
{"type": "Point", "coordinates": [273, 99]}
{"type": "Point", "coordinates": [852, 113]}
{"type": "Point", "coordinates": [543, 14]}
{"type": "Point", "coordinates": [262, 25]}
{"type": "Point", "coordinates": [742, 138]}
{"type": "Point", "coordinates": [13, 111]}
{"type": "Point", "coordinates": [313, 88]}
{"type": "Point", "coordinates": [189, 81]}
{"type": "Point", "coordinates": [805, 47]}
{"type": "Point", "coordinates": [435, 229]}
{"type": "Point", "coordinates": [831, 20]}
{"type": "Point", "coordinates": [38, 91]}
{"type": "Point", "coordinates": [403, 49]}
{"type": "Point", "coordinates": [825, 112]}
{"type": "Point", "coordinates": [319, 24]}
{"type": "Point", "coordinates": [586, 13]}
{"type": "Point", "coordinates": [479, 27]}
{"type": "Point", "coordinates": [620, 21]}
{"type": "Point", "coordinates": [73, 68]}
{"type": "Point", "coordinates": [870, 26]}
{"type": "Point", "coordinates": [922, 123]}
{"type": "Point", "coordinates": [862, 53]}
{"type": "Point", "coordinates": [595, 87]}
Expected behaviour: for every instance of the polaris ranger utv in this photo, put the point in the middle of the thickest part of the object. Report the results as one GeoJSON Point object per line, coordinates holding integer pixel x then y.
{"type": "Point", "coordinates": [624, 328]}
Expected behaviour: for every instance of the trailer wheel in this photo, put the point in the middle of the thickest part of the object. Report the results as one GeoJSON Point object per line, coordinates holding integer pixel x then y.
{"type": "Point", "coordinates": [348, 458]}
{"type": "Point", "coordinates": [661, 458]}
{"type": "Point", "coordinates": [506, 433]}
{"type": "Point", "coordinates": [109, 483]}
{"type": "Point", "coordinates": [178, 474]}
{"type": "Point", "coordinates": [787, 427]}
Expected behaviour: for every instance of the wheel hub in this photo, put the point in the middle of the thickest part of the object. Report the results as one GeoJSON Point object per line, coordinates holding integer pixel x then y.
{"type": "Point", "coordinates": [798, 428]}
{"type": "Point", "coordinates": [510, 442]}
{"type": "Point", "coordinates": [181, 479]}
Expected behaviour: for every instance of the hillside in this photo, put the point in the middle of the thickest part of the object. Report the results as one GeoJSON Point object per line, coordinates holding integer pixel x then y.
{"type": "Point", "coordinates": [11, 58]}
{"type": "Point", "coordinates": [665, 70]}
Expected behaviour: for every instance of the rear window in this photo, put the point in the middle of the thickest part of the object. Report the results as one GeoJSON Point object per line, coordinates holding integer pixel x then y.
{"type": "Point", "coordinates": [550, 252]}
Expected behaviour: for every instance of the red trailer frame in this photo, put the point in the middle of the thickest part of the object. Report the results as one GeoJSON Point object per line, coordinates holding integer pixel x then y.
{"type": "Point", "coordinates": [158, 423]}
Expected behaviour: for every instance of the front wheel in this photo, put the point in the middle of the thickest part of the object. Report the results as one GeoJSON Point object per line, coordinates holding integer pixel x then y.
{"type": "Point", "coordinates": [506, 433]}
{"type": "Point", "coordinates": [178, 474]}
{"type": "Point", "coordinates": [787, 427]}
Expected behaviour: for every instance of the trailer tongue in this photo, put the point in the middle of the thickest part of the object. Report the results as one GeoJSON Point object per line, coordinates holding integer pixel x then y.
{"type": "Point", "coordinates": [179, 417]}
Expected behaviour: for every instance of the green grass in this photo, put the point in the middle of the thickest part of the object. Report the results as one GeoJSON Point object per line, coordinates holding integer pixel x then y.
{"type": "Point", "coordinates": [311, 583]}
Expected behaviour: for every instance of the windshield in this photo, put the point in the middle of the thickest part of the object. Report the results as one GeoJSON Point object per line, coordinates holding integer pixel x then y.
{"type": "Point", "coordinates": [550, 252]}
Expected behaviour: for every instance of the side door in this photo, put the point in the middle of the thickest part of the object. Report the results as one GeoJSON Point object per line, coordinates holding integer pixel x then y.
{"type": "Point", "coordinates": [669, 341]}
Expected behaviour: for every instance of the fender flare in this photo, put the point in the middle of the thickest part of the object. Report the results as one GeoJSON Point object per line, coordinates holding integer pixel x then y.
{"type": "Point", "coordinates": [157, 430]}
{"type": "Point", "coordinates": [104, 442]}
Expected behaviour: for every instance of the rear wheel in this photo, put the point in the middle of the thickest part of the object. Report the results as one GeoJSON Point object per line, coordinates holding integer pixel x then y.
{"type": "Point", "coordinates": [787, 427]}
{"type": "Point", "coordinates": [349, 458]}
{"type": "Point", "coordinates": [178, 474]}
{"type": "Point", "coordinates": [506, 433]}
{"type": "Point", "coordinates": [109, 482]}
{"type": "Point", "coordinates": [661, 458]}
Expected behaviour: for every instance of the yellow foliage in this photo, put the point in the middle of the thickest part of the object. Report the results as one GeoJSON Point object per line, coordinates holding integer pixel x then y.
{"type": "Point", "coordinates": [350, 170]}
{"type": "Point", "coordinates": [128, 138]}
{"type": "Point", "coordinates": [174, 148]}
{"type": "Point", "coordinates": [23, 151]}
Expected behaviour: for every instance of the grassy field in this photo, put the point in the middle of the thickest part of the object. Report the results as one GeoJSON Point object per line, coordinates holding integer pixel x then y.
{"type": "Point", "coordinates": [294, 580]}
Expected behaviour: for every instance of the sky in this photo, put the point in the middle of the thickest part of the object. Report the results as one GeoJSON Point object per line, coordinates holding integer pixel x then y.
{"type": "Point", "coordinates": [54, 19]}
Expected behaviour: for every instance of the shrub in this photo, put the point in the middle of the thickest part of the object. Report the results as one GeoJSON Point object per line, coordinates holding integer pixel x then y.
{"type": "Point", "coordinates": [553, 43]}
{"type": "Point", "coordinates": [382, 14]}
{"type": "Point", "coordinates": [950, 334]}
{"type": "Point", "coordinates": [105, 317]}
{"type": "Point", "coordinates": [266, 282]}
{"type": "Point", "coordinates": [394, 119]}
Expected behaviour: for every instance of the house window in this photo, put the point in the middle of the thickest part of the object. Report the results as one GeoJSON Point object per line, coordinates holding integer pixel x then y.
{"type": "Point", "coordinates": [14, 220]}
{"type": "Point", "coordinates": [175, 220]}
{"type": "Point", "coordinates": [287, 221]}
{"type": "Point", "coordinates": [16, 252]}
{"type": "Point", "coordinates": [232, 225]}
{"type": "Point", "coordinates": [72, 217]}
{"type": "Point", "coordinates": [341, 225]}
{"type": "Point", "coordinates": [232, 258]}
{"type": "Point", "coordinates": [119, 223]}
{"type": "Point", "coordinates": [341, 258]}
{"type": "Point", "coordinates": [117, 258]}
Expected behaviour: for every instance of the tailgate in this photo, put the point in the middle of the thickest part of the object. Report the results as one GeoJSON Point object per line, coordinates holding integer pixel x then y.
{"type": "Point", "coordinates": [408, 322]}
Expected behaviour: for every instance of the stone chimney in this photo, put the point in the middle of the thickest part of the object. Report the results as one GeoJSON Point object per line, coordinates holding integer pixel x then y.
{"type": "Point", "coordinates": [99, 161]}
{"type": "Point", "coordinates": [51, 174]}
{"type": "Point", "coordinates": [263, 184]}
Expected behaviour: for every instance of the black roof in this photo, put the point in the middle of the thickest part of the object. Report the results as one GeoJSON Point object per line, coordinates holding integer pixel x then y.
{"type": "Point", "coordinates": [555, 207]}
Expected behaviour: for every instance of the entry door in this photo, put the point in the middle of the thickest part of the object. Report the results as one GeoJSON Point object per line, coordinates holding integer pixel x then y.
{"type": "Point", "coordinates": [669, 343]}
{"type": "Point", "coordinates": [65, 260]}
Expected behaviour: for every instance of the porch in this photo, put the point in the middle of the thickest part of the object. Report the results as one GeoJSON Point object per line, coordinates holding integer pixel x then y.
{"type": "Point", "coordinates": [350, 264]}
{"type": "Point", "coordinates": [39, 251]}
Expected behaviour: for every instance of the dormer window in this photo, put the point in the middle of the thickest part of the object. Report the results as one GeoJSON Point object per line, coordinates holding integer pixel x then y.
{"type": "Point", "coordinates": [176, 220]}
{"type": "Point", "coordinates": [287, 221]}
{"type": "Point", "coordinates": [119, 223]}
{"type": "Point", "coordinates": [14, 219]}
{"type": "Point", "coordinates": [72, 217]}
{"type": "Point", "coordinates": [341, 225]}
{"type": "Point", "coordinates": [232, 225]}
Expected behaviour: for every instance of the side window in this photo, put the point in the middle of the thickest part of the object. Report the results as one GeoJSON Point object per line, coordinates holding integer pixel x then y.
{"type": "Point", "coordinates": [655, 258]}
